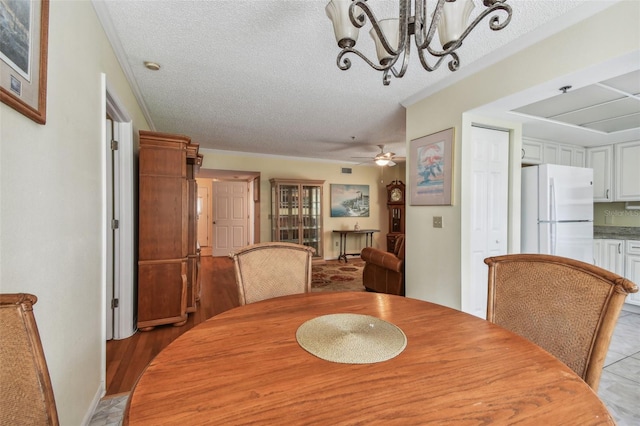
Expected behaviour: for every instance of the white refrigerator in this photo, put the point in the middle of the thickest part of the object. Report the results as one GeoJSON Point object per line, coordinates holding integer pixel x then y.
{"type": "Point", "coordinates": [557, 211]}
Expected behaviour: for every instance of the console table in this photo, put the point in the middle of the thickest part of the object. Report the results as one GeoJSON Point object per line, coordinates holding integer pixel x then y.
{"type": "Point", "coordinates": [368, 235]}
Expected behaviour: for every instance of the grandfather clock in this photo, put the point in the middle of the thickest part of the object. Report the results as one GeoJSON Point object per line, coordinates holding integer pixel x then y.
{"type": "Point", "coordinates": [395, 206]}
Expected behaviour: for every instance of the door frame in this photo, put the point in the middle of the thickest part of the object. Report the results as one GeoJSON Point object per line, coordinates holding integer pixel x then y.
{"type": "Point", "coordinates": [513, 200]}
{"type": "Point", "coordinates": [253, 208]}
{"type": "Point", "coordinates": [124, 288]}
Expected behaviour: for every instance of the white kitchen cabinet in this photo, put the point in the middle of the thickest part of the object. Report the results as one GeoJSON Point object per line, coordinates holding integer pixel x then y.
{"type": "Point", "coordinates": [597, 252]}
{"type": "Point", "coordinates": [532, 152]}
{"type": "Point", "coordinates": [613, 256]}
{"type": "Point", "coordinates": [609, 254]}
{"type": "Point", "coordinates": [578, 158]}
{"type": "Point", "coordinates": [565, 156]}
{"type": "Point", "coordinates": [627, 171]}
{"type": "Point", "coordinates": [632, 268]}
{"type": "Point", "coordinates": [550, 153]}
{"type": "Point", "coordinates": [542, 152]}
{"type": "Point", "coordinates": [600, 159]}
{"type": "Point", "coordinates": [569, 155]}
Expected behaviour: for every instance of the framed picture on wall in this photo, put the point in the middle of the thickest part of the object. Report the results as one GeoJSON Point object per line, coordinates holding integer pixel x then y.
{"type": "Point", "coordinates": [23, 57]}
{"type": "Point", "coordinates": [431, 169]}
{"type": "Point", "coordinates": [349, 200]}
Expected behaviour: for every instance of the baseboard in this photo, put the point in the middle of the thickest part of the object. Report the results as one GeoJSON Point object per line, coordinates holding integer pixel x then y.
{"type": "Point", "coordinates": [94, 404]}
{"type": "Point", "coordinates": [631, 308]}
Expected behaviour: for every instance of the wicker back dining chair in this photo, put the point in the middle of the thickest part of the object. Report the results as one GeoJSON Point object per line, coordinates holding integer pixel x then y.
{"type": "Point", "coordinates": [26, 395]}
{"type": "Point", "coordinates": [567, 307]}
{"type": "Point", "coordinates": [272, 269]}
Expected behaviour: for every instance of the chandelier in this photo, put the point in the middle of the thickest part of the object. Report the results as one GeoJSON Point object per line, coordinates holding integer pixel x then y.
{"type": "Point", "coordinates": [392, 36]}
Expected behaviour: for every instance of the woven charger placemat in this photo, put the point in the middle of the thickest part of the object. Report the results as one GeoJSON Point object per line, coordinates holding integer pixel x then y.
{"type": "Point", "coordinates": [351, 338]}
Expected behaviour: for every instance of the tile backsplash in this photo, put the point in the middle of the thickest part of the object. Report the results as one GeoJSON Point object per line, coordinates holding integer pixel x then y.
{"type": "Point", "coordinates": [614, 214]}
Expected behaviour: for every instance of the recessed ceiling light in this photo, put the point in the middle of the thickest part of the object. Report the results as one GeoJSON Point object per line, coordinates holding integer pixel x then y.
{"type": "Point", "coordinates": [152, 65]}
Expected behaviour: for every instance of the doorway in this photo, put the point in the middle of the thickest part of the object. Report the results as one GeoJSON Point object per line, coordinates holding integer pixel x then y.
{"type": "Point", "coordinates": [119, 216]}
{"type": "Point", "coordinates": [231, 217]}
{"type": "Point", "coordinates": [487, 223]}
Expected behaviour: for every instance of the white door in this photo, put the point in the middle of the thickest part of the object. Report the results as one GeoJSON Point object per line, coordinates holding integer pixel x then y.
{"type": "Point", "coordinates": [230, 216]}
{"type": "Point", "coordinates": [489, 210]}
{"type": "Point", "coordinates": [203, 216]}
{"type": "Point", "coordinates": [120, 245]}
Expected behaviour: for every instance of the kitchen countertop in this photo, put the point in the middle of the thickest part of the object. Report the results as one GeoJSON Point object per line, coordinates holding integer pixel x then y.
{"type": "Point", "coordinates": [616, 232]}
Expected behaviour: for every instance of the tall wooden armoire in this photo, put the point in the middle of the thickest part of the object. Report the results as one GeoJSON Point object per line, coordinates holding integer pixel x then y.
{"type": "Point", "coordinates": [167, 246]}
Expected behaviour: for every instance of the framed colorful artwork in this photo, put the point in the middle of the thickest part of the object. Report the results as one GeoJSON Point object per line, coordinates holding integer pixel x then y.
{"type": "Point", "coordinates": [349, 200]}
{"type": "Point", "coordinates": [23, 57]}
{"type": "Point", "coordinates": [431, 169]}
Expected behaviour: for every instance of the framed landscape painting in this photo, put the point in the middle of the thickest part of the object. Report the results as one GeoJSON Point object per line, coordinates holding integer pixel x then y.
{"type": "Point", "coordinates": [23, 57]}
{"type": "Point", "coordinates": [431, 169]}
{"type": "Point", "coordinates": [349, 200]}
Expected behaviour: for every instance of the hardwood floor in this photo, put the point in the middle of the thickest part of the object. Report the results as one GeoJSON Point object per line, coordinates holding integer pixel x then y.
{"type": "Point", "coordinates": [127, 358]}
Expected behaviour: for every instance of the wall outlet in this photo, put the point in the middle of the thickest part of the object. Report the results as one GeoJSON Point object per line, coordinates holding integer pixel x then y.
{"type": "Point", "coordinates": [336, 244]}
{"type": "Point", "coordinates": [437, 221]}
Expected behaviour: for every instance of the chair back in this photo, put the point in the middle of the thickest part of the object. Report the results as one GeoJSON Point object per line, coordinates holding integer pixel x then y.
{"type": "Point", "coordinates": [272, 269]}
{"type": "Point", "coordinates": [569, 308]}
{"type": "Point", "coordinates": [398, 248]}
{"type": "Point", "coordinates": [26, 395]}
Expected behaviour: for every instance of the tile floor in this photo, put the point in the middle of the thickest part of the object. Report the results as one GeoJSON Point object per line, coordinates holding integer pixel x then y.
{"type": "Point", "coordinates": [619, 385]}
{"type": "Point", "coordinates": [620, 382]}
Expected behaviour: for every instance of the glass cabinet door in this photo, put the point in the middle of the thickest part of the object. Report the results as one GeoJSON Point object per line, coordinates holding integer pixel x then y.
{"type": "Point", "coordinates": [296, 213]}
{"type": "Point", "coordinates": [312, 217]}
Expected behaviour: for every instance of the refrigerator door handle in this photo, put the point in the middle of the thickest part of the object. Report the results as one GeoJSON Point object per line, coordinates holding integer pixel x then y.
{"type": "Point", "coordinates": [552, 200]}
{"type": "Point", "coordinates": [552, 238]}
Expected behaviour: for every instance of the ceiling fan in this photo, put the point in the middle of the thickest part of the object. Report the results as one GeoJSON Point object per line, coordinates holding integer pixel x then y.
{"type": "Point", "coordinates": [384, 158]}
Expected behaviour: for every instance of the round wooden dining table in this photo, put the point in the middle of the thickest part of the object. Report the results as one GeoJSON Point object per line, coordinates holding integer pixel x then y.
{"type": "Point", "coordinates": [245, 366]}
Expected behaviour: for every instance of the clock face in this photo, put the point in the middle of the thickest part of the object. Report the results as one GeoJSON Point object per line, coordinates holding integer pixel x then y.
{"type": "Point", "coordinates": [396, 194]}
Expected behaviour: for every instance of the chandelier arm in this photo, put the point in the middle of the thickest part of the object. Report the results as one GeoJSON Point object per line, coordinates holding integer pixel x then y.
{"type": "Point", "coordinates": [435, 66]}
{"type": "Point", "coordinates": [425, 37]}
{"type": "Point", "coordinates": [494, 24]}
{"type": "Point", "coordinates": [419, 20]}
{"type": "Point", "coordinates": [405, 61]}
{"type": "Point", "coordinates": [386, 77]}
{"type": "Point", "coordinates": [403, 27]}
{"type": "Point", "coordinates": [359, 23]}
{"type": "Point", "coordinates": [345, 63]}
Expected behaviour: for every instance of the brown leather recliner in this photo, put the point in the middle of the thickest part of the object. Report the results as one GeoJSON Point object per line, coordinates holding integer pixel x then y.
{"type": "Point", "coordinates": [383, 271]}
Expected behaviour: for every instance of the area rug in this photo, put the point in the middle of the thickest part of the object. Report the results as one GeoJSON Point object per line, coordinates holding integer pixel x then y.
{"type": "Point", "coordinates": [334, 275]}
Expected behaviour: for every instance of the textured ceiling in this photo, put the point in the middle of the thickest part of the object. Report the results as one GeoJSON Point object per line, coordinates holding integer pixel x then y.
{"type": "Point", "coordinates": [260, 76]}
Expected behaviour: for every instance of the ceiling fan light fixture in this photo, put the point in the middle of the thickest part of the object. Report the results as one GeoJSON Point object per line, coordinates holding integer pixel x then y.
{"type": "Point", "coordinates": [382, 161]}
{"type": "Point", "coordinates": [393, 36]}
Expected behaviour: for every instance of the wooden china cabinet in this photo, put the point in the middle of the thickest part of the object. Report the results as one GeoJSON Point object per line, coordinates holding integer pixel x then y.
{"type": "Point", "coordinates": [296, 212]}
{"type": "Point", "coordinates": [396, 207]}
{"type": "Point", "coordinates": [168, 255]}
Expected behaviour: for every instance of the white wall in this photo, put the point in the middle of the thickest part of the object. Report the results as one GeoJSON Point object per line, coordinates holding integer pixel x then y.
{"type": "Point", "coordinates": [433, 256]}
{"type": "Point", "coordinates": [51, 230]}
{"type": "Point", "coordinates": [278, 167]}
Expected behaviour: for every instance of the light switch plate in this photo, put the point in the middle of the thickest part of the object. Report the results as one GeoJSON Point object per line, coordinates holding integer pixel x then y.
{"type": "Point", "coordinates": [437, 221]}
